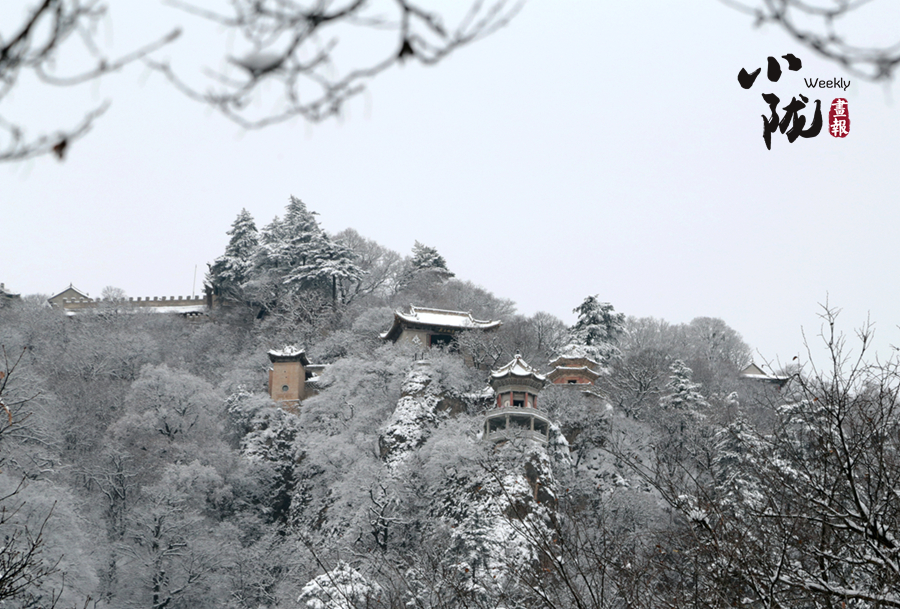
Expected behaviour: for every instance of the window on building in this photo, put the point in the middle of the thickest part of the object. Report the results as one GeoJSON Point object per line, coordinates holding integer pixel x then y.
{"type": "Point", "coordinates": [285, 388]}
{"type": "Point", "coordinates": [572, 381]}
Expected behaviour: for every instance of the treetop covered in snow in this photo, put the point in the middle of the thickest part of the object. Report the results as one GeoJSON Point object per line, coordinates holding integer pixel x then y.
{"type": "Point", "coordinates": [597, 330]}
{"type": "Point", "coordinates": [428, 259]}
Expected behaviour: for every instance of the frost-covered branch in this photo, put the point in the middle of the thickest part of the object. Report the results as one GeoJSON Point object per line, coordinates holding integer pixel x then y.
{"type": "Point", "coordinates": [49, 31]}
{"type": "Point", "coordinates": [822, 26]}
{"type": "Point", "coordinates": [300, 47]}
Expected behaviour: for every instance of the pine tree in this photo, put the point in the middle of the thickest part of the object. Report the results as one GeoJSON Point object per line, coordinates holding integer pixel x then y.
{"type": "Point", "coordinates": [597, 330]}
{"type": "Point", "coordinates": [296, 254]}
{"type": "Point", "coordinates": [428, 259]}
{"type": "Point", "coordinates": [682, 433]}
{"type": "Point", "coordinates": [683, 396]}
{"type": "Point", "coordinates": [230, 270]}
{"type": "Point", "coordinates": [289, 243]}
{"type": "Point", "coordinates": [424, 270]}
{"type": "Point", "coordinates": [736, 464]}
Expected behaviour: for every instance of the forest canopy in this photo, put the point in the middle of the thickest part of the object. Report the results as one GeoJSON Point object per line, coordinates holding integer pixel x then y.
{"type": "Point", "coordinates": [144, 463]}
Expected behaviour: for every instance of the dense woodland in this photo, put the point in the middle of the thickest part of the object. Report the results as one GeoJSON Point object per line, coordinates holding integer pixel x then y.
{"type": "Point", "coordinates": [144, 465]}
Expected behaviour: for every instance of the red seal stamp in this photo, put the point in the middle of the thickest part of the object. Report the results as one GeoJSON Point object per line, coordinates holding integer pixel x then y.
{"type": "Point", "coordinates": [839, 118]}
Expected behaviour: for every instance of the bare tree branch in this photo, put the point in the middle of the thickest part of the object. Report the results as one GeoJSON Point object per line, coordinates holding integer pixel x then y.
{"type": "Point", "coordinates": [297, 45]}
{"type": "Point", "coordinates": [46, 34]}
{"type": "Point", "coordinates": [818, 26]}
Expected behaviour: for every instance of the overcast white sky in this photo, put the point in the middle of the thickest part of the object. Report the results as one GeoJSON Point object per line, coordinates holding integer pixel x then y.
{"type": "Point", "coordinates": [589, 147]}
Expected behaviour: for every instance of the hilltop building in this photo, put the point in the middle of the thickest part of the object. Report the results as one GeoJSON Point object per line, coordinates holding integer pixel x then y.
{"type": "Point", "coordinates": [433, 327]}
{"type": "Point", "coordinates": [70, 295]}
{"type": "Point", "coordinates": [515, 413]}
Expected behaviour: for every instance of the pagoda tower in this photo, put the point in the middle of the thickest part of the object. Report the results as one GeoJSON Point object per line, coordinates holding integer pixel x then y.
{"type": "Point", "coordinates": [573, 368]}
{"type": "Point", "coordinates": [515, 413]}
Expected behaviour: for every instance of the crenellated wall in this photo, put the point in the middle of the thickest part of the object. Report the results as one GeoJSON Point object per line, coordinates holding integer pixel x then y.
{"type": "Point", "coordinates": [147, 301]}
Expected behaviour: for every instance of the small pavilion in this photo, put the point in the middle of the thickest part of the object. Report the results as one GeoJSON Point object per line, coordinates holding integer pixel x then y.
{"type": "Point", "coordinates": [515, 413]}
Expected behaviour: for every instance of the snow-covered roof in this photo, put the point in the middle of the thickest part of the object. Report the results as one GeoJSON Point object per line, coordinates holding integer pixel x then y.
{"type": "Point", "coordinates": [288, 353]}
{"type": "Point", "coordinates": [517, 368]}
{"type": "Point", "coordinates": [574, 370]}
{"type": "Point", "coordinates": [130, 309]}
{"type": "Point", "coordinates": [69, 292]}
{"type": "Point", "coordinates": [436, 318]}
{"type": "Point", "coordinates": [755, 373]}
{"type": "Point", "coordinates": [571, 353]}
{"type": "Point", "coordinates": [6, 293]}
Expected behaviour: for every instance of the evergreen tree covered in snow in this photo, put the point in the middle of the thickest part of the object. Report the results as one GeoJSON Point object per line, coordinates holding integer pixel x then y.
{"type": "Point", "coordinates": [230, 270]}
{"type": "Point", "coordinates": [333, 264]}
{"type": "Point", "coordinates": [597, 330]}
{"type": "Point", "coordinates": [683, 393]}
{"type": "Point", "coordinates": [425, 270]}
{"type": "Point", "coordinates": [738, 449]}
{"type": "Point", "coordinates": [681, 420]}
{"type": "Point", "coordinates": [428, 259]}
{"type": "Point", "coordinates": [295, 254]}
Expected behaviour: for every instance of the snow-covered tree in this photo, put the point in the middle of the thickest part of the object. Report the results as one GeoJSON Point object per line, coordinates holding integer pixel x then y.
{"type": "Point", "coordinates": [229, 271]}
{"type": "Point", "coordinates": [424, 270]}
{"type": "Point", "coordinates": [168, 415]}
{"type": "Point", "coordinates": [738, 448]}
{"type": "Point", "coordinates": [177, 556]}
{"type": "Point", "coordinates": [683, 396]}
{"type": "Point", "coordinates": [681, 434]}
{"type": "Point", "coordinates": [340, 588]}
{"type": "Point", "coordinates": [597, 330]}
{"type": "Point", "coordinates": [295, 254]}
{"type": "Point", "coordinates": [381, 266]}
{"type": "Point", "coordinates": [427, 258]}
{"type": "Point", "coordinates": [331, 264]}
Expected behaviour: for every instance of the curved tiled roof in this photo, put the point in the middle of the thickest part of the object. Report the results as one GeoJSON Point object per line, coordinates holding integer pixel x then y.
{"type": "Point", "coordinates": [517, 368]}
{"type": "Point", "coordinates": [288, 353]}
{"type": "Point", "coordinates": [436, 318]}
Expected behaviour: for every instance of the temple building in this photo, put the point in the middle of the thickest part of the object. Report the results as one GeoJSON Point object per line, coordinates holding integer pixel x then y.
{"type": "Point", "coordinates": [291, 378]}
{"type": "Point", "coordinates": [433, 327]}
{"type": "Point", "coordinates": [573, 369]}
{"type": "Point", "coordinates": [515, 413]}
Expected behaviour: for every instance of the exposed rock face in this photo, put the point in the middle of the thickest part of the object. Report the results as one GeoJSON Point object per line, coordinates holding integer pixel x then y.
{"type": "Point", "coordinates": [414, 418]}
{"type": "Point", "coordinates": [434, 494]}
